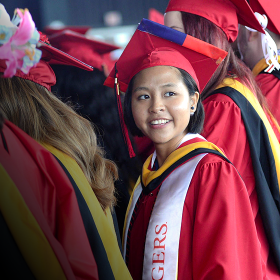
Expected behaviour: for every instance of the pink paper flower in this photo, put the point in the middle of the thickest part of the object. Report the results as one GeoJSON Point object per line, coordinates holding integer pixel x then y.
{"type": "Point", "coordinates": [20, 50]}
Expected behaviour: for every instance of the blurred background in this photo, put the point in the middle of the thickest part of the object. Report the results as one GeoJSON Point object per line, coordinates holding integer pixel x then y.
{"type": "Point", "coordinates": [113, 21]}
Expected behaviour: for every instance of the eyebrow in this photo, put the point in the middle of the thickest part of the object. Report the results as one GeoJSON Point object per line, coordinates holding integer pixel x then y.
{"type": "Point", "coordinates": [140, 88]}
{"type": "Point", "coordinates": [162, 86]}
{"type": "Point", "coordinates": [168, 85]}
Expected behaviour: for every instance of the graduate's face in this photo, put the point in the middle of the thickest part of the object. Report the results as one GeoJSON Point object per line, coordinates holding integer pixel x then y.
{"type": "Point", "coordinates": [161, 104]}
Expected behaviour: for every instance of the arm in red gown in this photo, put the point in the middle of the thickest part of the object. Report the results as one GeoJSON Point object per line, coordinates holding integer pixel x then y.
{"type": "Point", "coordinates": [218, 235]}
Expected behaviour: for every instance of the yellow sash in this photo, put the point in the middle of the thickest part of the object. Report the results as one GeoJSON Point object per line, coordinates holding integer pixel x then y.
{"type": "Point", "coordinates": [104, 222]}
{"type": "Point", "coordinates": [229, 82]}
{"type": "Point", "coordinates": [148, 175]}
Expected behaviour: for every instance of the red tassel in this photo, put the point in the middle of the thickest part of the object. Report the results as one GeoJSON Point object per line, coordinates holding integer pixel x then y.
{"type": "Point", "coordinates": [123, 125]}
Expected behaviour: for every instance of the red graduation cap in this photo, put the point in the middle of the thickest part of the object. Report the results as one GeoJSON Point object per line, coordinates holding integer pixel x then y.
{"type": "Point", "coordinates": [156, 16]}
{"type": "Point", "coordinates": [49, 30]}
{"type": "Point", "coordinates": [271, 9]}
{"type": "Point", "coordinates": [154, 44]}
{"type": "Point", "coordinates": [88, 50]}
{"type": "Point", "coordinates": [226, 14]}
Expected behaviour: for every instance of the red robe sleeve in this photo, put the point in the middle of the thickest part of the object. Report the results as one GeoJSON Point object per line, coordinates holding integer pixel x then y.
{"type": "Point", "coordinates": [218, 235]}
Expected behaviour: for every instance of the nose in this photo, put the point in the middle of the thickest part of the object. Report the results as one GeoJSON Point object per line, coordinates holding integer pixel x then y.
{"type": "Point", "coordinates": [157, 105]}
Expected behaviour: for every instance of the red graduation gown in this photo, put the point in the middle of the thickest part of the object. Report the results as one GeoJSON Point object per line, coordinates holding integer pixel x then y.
{"type": "Point", "coordinates": [214, 243]}
{"type": "Point", "coordinates": [225, 128]}
{"type": "Point", "coordinates": [50, 197]}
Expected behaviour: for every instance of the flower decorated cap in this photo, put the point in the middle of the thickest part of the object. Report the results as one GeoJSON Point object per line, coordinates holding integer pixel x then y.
{"type": "Point", "coordinates": [85, 49]}
{"type": "Point", "coordinates": [26, 53]}
{"type": "Point", "coordinates": [271, 9]}
{"type": "Point", "coordinates": [226, 14]}
{"type": "Point", "coordinates": [18, 39]}
{"type": "Point", "coordinates": [154, 44]}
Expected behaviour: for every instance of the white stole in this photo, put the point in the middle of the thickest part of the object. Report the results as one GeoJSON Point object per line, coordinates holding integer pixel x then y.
{"type": "Point", "coordinates": [163, 233]}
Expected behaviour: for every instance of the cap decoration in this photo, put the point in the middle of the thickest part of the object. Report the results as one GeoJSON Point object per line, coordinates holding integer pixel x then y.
{"type": "Point", "coordinates": [18, 39]}
{"type": "Point", "coordinates": [268, 45]}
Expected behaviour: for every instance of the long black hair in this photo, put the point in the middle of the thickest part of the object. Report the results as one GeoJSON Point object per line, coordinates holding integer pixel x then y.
{"type": "Point", "coordinates": [196, 120]}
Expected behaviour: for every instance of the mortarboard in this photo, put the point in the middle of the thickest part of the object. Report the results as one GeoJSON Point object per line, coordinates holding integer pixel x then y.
{"type": "Point", "coordinates": [85, 49]}
{"type": "Point", "coordinates": [154, 44]}
{"type": "Point", "coordinates": [226, 14]}
{"type": "Point", "coordinates": [49, 30]}
{"type": "Point", "coordinates": [156, 16]}
{"type": "Point", "coordinates": [271, 9]}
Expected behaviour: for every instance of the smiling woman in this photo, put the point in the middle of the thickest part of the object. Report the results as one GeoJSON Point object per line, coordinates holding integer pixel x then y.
{"type": "Point", "coordinates": [162, 106]}
{"type": "Point", "coordinates": [190, 205]}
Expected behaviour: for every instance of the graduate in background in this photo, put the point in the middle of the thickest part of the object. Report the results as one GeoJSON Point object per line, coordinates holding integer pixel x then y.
{"type": "Point", "coordinates": [92, 100]}
{"type": "Point", "coordinates": [236, 115]}
{"type": "Point", "coordinates": [40, 218]}
{"type": "Point", "coordinates": [260, 51]}
{"type": "Point", "coordinates": [42, 232]}
{"type": "Point", "coordinates": [27, 102]}
{"type": "Point", "coordinates": [189, 216]}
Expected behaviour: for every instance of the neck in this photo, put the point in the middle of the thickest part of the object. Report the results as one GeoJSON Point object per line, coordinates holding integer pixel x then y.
{"type": "Point", "coordinates": [255, 60]}
{"type": "Point", "coordinates": [164, 150]}
{"type": "Point", "coordinates": [162, 155]}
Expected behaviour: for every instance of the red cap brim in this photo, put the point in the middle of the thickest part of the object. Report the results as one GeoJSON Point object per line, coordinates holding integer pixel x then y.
{"type": "Point", "coordinates": [225, 14]}
{"type": "Point", "coordinates": [271, 9]}
{"type": "Point", "coordinates": [54, 55]}
{"type": "Point", "coordinates": [67, 39]}
{"type": "Point", "coordinates": [156, 16]}
{"type": "Point", "coordinates": [79, 29]}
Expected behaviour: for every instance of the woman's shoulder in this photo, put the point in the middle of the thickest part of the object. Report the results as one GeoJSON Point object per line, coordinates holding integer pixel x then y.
{"type": "Point", "coordinates": [215, 172]}
{"type": "Point", "coordinates": [218, 98]}
{"type": "Point", "coordinates": [214, 161]}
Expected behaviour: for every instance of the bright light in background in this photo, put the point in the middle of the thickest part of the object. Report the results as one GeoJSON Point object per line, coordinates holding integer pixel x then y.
{"type": "Point", "coordinates": [122, 39]}
{"type": "Point", "coordinates": [57, 24]}
{"type": "Point", "coordinates": [117, 35]}
{"type": "Point", "coordinates": [113, 18]}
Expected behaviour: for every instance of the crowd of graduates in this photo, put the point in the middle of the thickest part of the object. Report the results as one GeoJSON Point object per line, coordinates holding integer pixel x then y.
{"type": "Point", "coordinates": [162, 164]}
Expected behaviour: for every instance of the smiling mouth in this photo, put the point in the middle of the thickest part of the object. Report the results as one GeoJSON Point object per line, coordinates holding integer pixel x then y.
{"type": "Point", "coordinates": [159, 122]}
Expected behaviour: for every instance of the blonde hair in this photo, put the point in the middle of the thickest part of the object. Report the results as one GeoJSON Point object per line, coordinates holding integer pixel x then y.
{"type": "Point", "coordinates": [48, 120]}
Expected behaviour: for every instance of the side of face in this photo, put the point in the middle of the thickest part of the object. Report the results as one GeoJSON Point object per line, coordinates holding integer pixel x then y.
{"type": "Point", "coordinates": [250, 46]}
{"type": "Point", "coordinates": [161, 104]}
{"type": "Point", "coordinates": [242, 41]}
{"type": "Point", "coordinates": [174, 20]}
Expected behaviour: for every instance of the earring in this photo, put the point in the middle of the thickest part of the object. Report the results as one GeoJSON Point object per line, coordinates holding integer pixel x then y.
{"type": "Point", "coordinates": [192, 108]}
